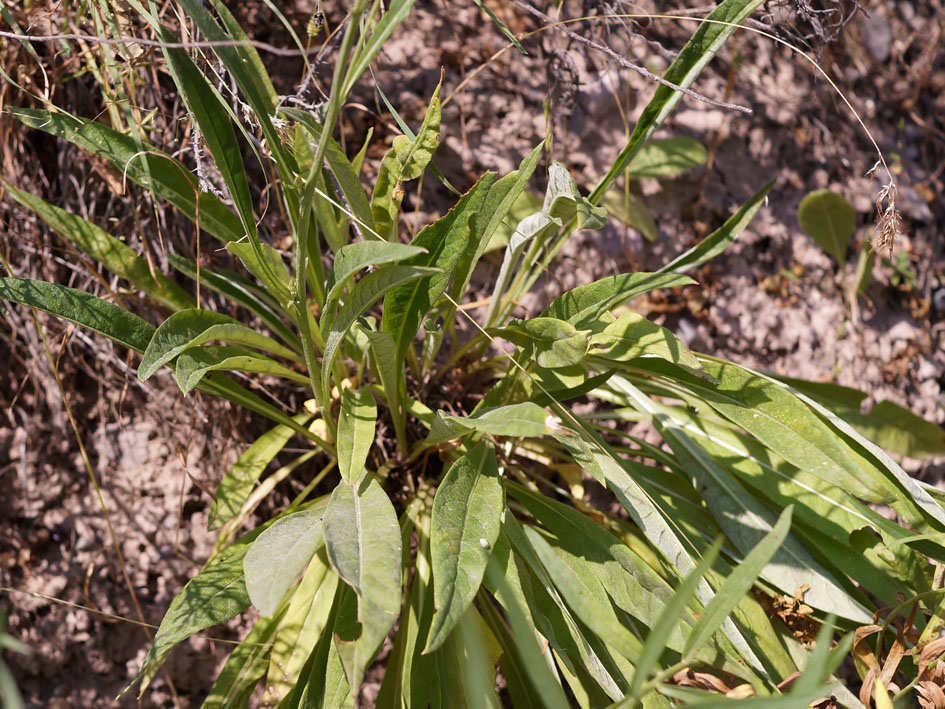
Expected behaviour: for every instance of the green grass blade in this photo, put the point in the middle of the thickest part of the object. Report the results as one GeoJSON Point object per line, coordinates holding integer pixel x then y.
{"type": "Point", "coordinates": [739, 582]}
{"type": "Point", "coordinates": [670, 618]}
{"type": "Point", "coordinates": [116, 256]}
{"type": "Point", "coordinates": [467, 511]}
{"type": "Point", "coordinates": [397, 11]}
{"type": "Point", "coordinates": [720, 239]}
{"type": "Point", "coordinates": [689, 63]}
{"type": "Point", "coordinates": [356, 425]}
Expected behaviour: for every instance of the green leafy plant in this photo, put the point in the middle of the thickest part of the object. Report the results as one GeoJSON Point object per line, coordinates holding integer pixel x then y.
{"type": "Point", "coordinates": [467, 535]}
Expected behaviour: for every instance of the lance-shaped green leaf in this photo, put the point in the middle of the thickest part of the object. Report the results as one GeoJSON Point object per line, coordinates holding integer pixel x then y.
{"type": "Point", "coordinates": [783, 423]}
{"type": "Point", "coordinates": [161, 174]}
{"type": "Point", "coordinates": [739, 582]}
{"type": "Point", "coordinates": [467, 511]}
{"type": "Point", "coordinates": [191, 328]}
{"type": "Point", "coordinates": [209, 112]}
{"type": "Point", "coordinates": [397, 11]}
{"type": "Point", "coordinates": [720, 239]}
{"type": "Point", "coordinates": [585, 304]}
{"type": "Point", "coordinates": [267, 265]}
{"type": "Point", "coordinates": [585, 595]}
{"type": "Point", "coordinates": [364, 546]}
{"type": "Point", "coordinates": [384, 360]}
{"type": "Point", "coordinates": [524, 420]}
{"type": "Point", "coordinates": [744, 518]}
{"type": "Point", "coordinates": [667, 157]}
{"type": "Point", "coordinates": [444, 240]}
{"type": "Point", "coordinates": [215, 594]}
{"type": "Point", "coordinates": [550, 342]}
{"type": "Point", "coordinates": [352, 258]}
{"type": "Point", "coordinates": [126, 329]}
{"type": "Point", "coordinates": [595, 456]}
{"type": "Point", "coordinates": [239, 480]}
{"type": "Point", "coordinates": [633, 586]}
{"type": "Point", "coordinates": [81, 308]}
{"type": "Point", "coordinates": [689, 63]}
{"type": "Point", "coordinates": [367, 292]}
{"type": "Point", "coordinates": [631, 335]}
{"type": "Point", "coordinates": [279, 555]}
{"type": "Point", "coordinates": [195, 363]}
{"type": "Point", "coordinates": [115, 255]}
{"type": "Point", "coordinates": [406, 160]}
{"type": "Point", "coordinates": [356, 424]}
{"type": "Point", "coordinates": [241, 291]}
{"type": "Point", "coordinates": [495, 209]}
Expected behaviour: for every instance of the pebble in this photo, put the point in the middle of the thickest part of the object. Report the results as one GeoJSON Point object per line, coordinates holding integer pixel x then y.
{"type": "Point", "coordinates": [877, 35]}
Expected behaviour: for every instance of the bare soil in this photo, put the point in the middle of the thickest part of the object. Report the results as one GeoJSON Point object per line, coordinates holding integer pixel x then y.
{"type": "Point", "coordinates": [774, 300]}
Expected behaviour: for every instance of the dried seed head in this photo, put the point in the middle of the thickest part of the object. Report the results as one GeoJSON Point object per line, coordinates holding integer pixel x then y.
{"type": "Point", "coordinates": [889, 222]}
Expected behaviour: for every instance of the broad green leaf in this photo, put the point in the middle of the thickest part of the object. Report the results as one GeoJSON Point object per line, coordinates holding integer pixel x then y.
{"type": "Point", "coordinates": [352, 258]}
{"type": "Point", "coordinates": [720, 239]}
{"type": "Point", "coordinates": [445, 241]}
{"type": "Point", "coordinates": [195, 363]}
{"type": "Point", "coordinates": [191, 328]}
{"type": "Point", "coordinates": [240, 291]}
{"type": "Point", "coordinates": [116, 256]}
{"type": "Point", "coordinates": [81, 308]}
{"type": "Point", "coordinates": [239, 480]}
{"type": "Point", "coordinates": [367, 292]}
{"type": "Point", "coordinates": [525, 420]}
{"type": "Point", "coordinates": [215, 594]}
{"type": "Point", "coordinates": [667, 157]}
{"type": "Point", "coordinates": [502, 196]}
{"type": "Point", "coordinates": [631, 335]}
{"type": "Point", "coordinates": [829, 219]}
{"type": "Point", "coordinates": [245, 666]}
{"type": "Point", "coordinates": [356, 424]}
{"type": "Point", "coordinates": [745, 519]}
{"type": "Point", "coordinates": [466, 514]}
{"type": "Point", "coordinates": [279, 555]}
{"type": "Point", "coordinates": [585, 304]}
{"type": "Point", "coordinates": [406, 160]}
{"type": "Point", "coordinates": [302, 625]}
{"type": "Point", "coordinates": [363, 541]}
{"type": "Point", "coordinates": [159, 173]}
{"type": "Point", "coordinates": [739, 582]}
{"type": "Point", "coordinates": [551, 343]}
{"type": "Point", "coordinates": [702, 46]}
{"type": "Point", "coordinates": [267, 265]}
{"type": "Point", "coordinates": [585, 595]}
